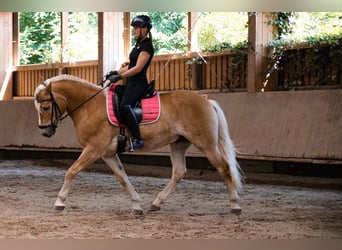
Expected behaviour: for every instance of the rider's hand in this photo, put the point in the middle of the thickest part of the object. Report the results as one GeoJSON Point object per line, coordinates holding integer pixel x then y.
{"type": "Point", "coordinates": [115, 78]}
{"type": "Point", "coordinates": [109, 74]}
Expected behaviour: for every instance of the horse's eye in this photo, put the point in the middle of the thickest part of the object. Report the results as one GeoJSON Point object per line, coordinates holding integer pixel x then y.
{"type": "Point", "coordinates": [46, 108]}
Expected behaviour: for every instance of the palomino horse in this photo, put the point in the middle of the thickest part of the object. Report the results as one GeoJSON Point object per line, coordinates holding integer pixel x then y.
{"type": "Point", "coordinates": [186, 118]}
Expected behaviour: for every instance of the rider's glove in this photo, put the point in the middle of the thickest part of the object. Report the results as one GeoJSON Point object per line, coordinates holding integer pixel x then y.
{"type": "Point", "coordinates": [115, 78]}
{"type": "Point", "coordinates": [109, 74]}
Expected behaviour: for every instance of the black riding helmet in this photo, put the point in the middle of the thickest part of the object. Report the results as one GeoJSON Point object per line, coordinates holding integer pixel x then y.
{"type": "Point", "coordinates": [142, 21]}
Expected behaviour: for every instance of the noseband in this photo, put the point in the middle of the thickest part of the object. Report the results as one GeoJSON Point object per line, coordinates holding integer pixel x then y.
{"type": "Point", "coordinates": [56, 112]}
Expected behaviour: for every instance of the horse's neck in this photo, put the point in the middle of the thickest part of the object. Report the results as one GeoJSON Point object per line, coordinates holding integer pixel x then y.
{"type": "Point", "coordinates": [76, 93]}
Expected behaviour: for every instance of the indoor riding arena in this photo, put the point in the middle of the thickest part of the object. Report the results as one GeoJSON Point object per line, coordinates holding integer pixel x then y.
{"type": "Point", "coordinates": [287, 133]}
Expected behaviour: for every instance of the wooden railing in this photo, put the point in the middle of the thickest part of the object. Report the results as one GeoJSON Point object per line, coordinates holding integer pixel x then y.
{"type": "Point", "coordinates": [190, 72]}
{"type": "Point", "coordinates": [27, 78]}
{"type": "Point", "coordinates": [304, 67]}
{"type": "Point", "coordinates": [171, 72]}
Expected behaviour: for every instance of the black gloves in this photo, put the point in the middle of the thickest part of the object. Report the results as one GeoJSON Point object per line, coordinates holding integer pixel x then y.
{"type": "Point", "coordinates": [112, 77]}
{"type": "Point", "coordinates": [115, 78]}
{"type": "Point", "coordinates": [109, 74]}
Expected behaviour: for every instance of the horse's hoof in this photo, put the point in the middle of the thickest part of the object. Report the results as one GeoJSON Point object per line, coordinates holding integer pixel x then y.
{"type": "Point", "coordinates": [154, 208]}
{"type": "Point", "coordinates": [59, 208]}
{"type": "Point", "coordinates": [236, 211]}
{"type": "Point", "coordinates": [137, 212]}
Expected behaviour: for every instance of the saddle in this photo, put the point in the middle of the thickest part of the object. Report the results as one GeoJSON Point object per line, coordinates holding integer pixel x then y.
{"type": "Point", "coordinates": [138, 108]}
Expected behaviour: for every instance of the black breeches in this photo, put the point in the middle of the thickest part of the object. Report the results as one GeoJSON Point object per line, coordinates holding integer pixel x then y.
{"type": "Point", "coordinates": [132, 93]}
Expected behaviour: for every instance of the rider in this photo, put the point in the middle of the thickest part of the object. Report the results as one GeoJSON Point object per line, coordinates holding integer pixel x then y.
{"type": "Point", "coordinates": [140, 58]}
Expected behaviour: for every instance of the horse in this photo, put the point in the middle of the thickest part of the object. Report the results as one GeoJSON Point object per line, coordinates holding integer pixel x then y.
{"type": "Point", "coordinates": [186, 118]}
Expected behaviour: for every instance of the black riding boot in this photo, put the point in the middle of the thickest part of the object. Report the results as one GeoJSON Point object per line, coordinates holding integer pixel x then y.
{"type": "Point", "coordinates": [133, 126]}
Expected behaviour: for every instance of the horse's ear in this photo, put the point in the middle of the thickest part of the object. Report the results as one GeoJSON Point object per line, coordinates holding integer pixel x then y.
{"type": "Point", "coordinates": [46, 90]}
{"type": "Point", "coordinates": [48, 87]}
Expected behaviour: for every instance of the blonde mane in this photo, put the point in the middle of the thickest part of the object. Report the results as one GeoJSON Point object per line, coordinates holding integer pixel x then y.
{"type": "Point", "coordinates": [63, 78]}
{"type": "Point", "coordinates": [66, 77]}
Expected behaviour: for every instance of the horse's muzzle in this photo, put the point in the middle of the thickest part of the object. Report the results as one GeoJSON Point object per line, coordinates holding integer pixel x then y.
{"type": "Point", "coordinates": [47, 130]}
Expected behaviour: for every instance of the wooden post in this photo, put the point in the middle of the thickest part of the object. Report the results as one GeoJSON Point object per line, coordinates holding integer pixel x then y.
{"type": "Point", "coordinates": [260, 33]}
{"type": "Point", "coordinates": [64, 34]}
{"type": "Point", "coordinates": [192, 32]}
{"type": "Point", "coordinates": [196, 69]}
{"type": "Point", "coordinates": [15, 30]}
{"type": "Point", "coordinates": [126, 33]}
{"type": "Point", "coordinates": [251, 58]}
{"type": "Point", "coordinates": [6, 60]}
{"type": "Point", "coordinates": [110, 41]}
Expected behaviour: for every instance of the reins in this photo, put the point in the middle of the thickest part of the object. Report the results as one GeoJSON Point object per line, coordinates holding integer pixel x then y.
{"type": "Point", "coordinates": [84, 102]}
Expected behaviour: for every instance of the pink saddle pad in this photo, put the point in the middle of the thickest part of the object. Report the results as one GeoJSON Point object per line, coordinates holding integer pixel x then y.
{"type": "Point", "coordinates": [150, 108]}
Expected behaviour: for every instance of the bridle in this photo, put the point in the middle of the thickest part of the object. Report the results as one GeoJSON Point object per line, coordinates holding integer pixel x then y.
{"type": "Point", "coordinates": [56, 111]}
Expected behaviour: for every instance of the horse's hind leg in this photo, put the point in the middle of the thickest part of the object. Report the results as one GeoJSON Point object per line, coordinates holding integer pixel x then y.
{"type": "Point", "coordinates": [84, 160]}
{"type": "Point", "coordinates": [178, 171]}
{"type": "Point", "coordinates": [117, 168]}
{"type": "Point", "coordinates": [223, 168]}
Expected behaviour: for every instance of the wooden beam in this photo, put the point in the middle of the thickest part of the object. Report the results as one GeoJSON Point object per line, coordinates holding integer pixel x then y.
{"type": "Point", "coordinates": [126, 33]}
{"type": "Point", "coordinates": [260, 33]}
{"type": "Point", "coordinates": [192, 32]}
{"type": "Point", "coordinates": [251, 65]}
{"type": "Point", "coordinates": [16, 42]}
{"type": "Point", "coordinates": [6, 59]}
{"type": "Point", "coordinates": [100, 43]}
{"type": "Point", "coordinates": [110, 41]}
{"type": "Point", "coordinates": [64, 33]}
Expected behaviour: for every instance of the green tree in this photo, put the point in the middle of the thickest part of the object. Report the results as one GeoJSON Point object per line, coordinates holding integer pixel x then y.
{"type": "Point", "coordinates": [82, 40]}
{"type": "Point", "coordinates": [169, 31]}
{"type": "Point", "coordinates": [308, 26]}
{"type": "Point", "coordinates": [39, 36]}
{"type": "Point", "coordinates": [218, 31]}
{"type": "Point", "coordinates": [40, 40]}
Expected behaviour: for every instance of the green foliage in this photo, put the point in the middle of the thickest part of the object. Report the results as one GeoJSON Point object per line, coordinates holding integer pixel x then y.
{"type": "Point", "coordinates": [217, 31]}
{"type": "Point", "coordinates": [321, 64]}
{"type": "Point", "coordinates": [306, 26]}
{"type": "Point", "coordinates": [40, 38]}
{"type": "Point", "coordinates": [82, 39]}
{"type": "Point", "coordinates": [169, 31]}
{"type": "Point", "coordinates": [222, 31]}
{"type": "Point", "coordinates": [168, 23]}
{"type": "Point", "coordinates": [312, 38]}
{"type": "Point", "coordinates": [282, 22]}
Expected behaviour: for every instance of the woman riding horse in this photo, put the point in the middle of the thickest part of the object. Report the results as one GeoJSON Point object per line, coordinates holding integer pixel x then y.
{"type": "Point", "coordinates": [135, 73]}
{"type": "Point", "coordinates": [186, 118]}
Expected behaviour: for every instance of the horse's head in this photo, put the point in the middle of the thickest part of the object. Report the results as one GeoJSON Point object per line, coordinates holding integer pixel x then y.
{"type": "Point", "coordinates": [49, 111]}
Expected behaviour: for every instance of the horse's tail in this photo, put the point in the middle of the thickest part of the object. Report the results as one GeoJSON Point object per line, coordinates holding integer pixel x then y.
{"type": "Point", "coordinates": [227, 148]}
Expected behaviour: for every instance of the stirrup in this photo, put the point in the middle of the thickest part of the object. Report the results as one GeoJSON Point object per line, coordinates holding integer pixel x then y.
{"type": "Point", "coordinates": [135, 144]}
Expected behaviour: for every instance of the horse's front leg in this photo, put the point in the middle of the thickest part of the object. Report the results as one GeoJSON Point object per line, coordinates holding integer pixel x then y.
{"type": "Point", "coordinates": [116, 166]}
{"type": "Point", "coordinates": [86, 158]}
